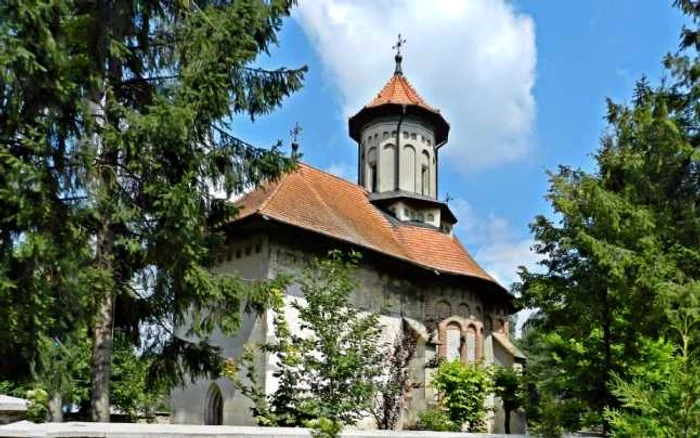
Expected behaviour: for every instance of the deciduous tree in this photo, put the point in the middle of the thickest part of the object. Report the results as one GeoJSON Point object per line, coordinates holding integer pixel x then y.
{"type": "Point", "coordinates": [329, 366]}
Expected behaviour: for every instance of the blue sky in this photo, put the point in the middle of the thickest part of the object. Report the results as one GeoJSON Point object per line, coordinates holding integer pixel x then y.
{"type": "Point", "coordinates": [523, 84]}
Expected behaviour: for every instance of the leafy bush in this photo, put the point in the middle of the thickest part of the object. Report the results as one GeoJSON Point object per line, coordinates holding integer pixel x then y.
{"type": "Point", "coordinates": [38, 407]}
{"type": "Point", "coordinates": [436, 420]}
{"type": "Point", "coordinates": [463, 390]}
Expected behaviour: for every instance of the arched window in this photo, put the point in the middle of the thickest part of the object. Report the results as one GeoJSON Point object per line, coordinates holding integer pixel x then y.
{"type": "Point", "coordinates": [453, 340]}
{"type": "Point", "coordinates": [408, 168]}
{"type": "Point", "coordinates": [388, 169]}
{"type": "Point", "coordinates": [372, 170]}
{"type": "Point", "coordinates": [471, 343]}
{"type": "Point", "coordinates": [214, 407]}
{"type": "Point", "coordinates": [425, 174]}
{"type": "Point", "coordinates": [488, 323]}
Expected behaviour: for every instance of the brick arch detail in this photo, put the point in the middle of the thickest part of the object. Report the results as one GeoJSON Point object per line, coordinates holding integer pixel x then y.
{"type": "Point", "coordinates": [464, 327]}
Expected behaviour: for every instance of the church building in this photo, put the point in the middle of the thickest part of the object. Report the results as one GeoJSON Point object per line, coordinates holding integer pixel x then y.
{"type": "Point", "coordinates": [414, 271]}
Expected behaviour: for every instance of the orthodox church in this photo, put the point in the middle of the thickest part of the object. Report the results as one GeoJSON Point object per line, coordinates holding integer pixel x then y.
{"type": "Point", "coordinates": [413, 270]}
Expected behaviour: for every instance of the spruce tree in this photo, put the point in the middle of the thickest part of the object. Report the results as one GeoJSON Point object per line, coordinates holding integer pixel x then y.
{"type": "Point", "coordinates": [115, 124]}
{"type": "Point", "coordinates": [624, 236]}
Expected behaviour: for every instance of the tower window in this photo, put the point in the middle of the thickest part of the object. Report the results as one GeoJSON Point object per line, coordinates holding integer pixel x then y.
{"type": "Point", "coordinates": [413, 136]}
{"type": "Point", "coordinates": [424, 180]}
{"type": "Point", "coordinates": [405, 134]}
{"type": "Point", "coordinates": [373, 176]}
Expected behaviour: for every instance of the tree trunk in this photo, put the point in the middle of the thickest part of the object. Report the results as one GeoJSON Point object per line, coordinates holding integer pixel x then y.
{"type": "Point", "coordinates": [102, 357]}
{"type": "Point", "coordinates": [607, 345]}
{"type": "Point", "coordinates": [56, 408]}
{"type": "Point", "coordinates": [506, 414]}
{"type": "Point", "coordinates": [104, 253]}
{"type": "Point", "coordinates": [104, 245]}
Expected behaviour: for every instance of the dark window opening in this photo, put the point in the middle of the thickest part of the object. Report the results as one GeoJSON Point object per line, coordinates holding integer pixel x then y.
{"type": "Point", "coordinates": [425, 184]}
{"type": "Point", "coordinates": [373, 176]}
{"type": "Point", "coordinates": [214, 413]}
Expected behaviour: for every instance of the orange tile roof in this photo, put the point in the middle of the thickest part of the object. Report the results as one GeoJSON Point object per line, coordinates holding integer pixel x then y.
{"type": "Point", "coordinates": [399, 90]}
{"type": "Point", "coordinates": [317, 201]}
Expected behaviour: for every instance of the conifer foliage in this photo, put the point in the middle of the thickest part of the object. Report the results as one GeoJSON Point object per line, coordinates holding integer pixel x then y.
{"type": "Point", "coordinates": [115, 130]}
{"type": "Point", "coordinates": [620, 264]}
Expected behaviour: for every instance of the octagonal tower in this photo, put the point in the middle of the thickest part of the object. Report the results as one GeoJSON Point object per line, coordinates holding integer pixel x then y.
{"type": "Point", "coordinates": [399, 136]}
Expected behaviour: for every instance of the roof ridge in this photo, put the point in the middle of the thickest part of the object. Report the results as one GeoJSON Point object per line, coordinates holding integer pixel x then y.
{"type": "Point", "coordinates": [459, 242]}
{"type": "Point", "coordinates": [339, 178]}
{"type": "Point", "coordinates": [413, 90]}
{"type": "Point", "coordinates": [281, 180]}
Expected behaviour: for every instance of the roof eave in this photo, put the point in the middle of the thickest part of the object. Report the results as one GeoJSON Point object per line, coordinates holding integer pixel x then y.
{"type": "Point", "coordinates": [368, 113]}
{"type": "Point", "coordinates": [268, 217]}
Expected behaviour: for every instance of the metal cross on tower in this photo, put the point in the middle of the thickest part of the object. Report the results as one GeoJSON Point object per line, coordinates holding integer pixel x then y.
{"type": "Point", "coordinates": [294, 133]}
{"type": "Point", "coordinates": [398, 58]}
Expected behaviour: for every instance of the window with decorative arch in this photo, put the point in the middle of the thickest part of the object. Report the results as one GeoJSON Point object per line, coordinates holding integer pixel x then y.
{"type": "Point", "coordinates": [214, 406]}
{"type": "Point", "coordinates": [460, 340]}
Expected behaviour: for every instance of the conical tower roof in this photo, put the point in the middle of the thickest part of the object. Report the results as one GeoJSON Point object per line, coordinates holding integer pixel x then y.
{"type": "Point", "coordinates": [399, 90]}
{"type": "Point", "coordinates": [399, 98]}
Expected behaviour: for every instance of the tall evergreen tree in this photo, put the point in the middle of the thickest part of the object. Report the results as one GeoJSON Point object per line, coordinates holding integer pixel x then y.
{"type": "Point", "coordinates": [115, 125]}
{"type": "Point", "coordinates": [625, 235]}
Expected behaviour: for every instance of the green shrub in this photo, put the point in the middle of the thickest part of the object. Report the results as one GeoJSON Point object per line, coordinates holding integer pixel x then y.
{"type": "Point", "coordinates": [463, 390]}
{"type": "Point", "coordinates": [38, 407]}
{"type": "Point", "coordinates": [436, 420]}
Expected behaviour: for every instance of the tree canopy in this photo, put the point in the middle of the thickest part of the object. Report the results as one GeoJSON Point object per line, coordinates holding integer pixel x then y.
{"type": "Point", "coordinates": [622, 253]}
{"type": "Point", "coordinates": [116, 130]}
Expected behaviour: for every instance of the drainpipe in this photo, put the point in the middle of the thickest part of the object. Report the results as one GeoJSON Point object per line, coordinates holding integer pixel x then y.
{"type": "Point", "coordinates": [398, 149]}
{"type": "Point", "coordinates": [437, 163]}
{"type": "Point", "coordinates": [359, 162]}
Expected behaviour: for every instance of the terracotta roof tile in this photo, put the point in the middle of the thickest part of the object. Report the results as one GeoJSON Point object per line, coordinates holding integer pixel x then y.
{"type": "Point", "coordinates": [399, 90]}
{"type": "Point", "coordinates": [320, 202]}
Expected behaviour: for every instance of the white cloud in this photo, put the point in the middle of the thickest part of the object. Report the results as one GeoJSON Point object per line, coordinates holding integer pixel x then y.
{"type": "Point", "coordinates": [473, 59]}
{"type": "Point", "coordinates": [343, 170]}
{"type": "Point", "coordinates": [497, 248]}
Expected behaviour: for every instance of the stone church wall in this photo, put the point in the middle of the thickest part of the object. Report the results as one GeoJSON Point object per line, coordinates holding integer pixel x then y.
{"type": "Point", "coordinates": [427, 304]}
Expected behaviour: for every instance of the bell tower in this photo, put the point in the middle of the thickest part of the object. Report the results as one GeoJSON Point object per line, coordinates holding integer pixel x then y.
{"type": "Point", "coordinates": [399, 136]}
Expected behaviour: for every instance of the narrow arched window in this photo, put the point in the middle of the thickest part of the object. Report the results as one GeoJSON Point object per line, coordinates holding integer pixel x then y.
{"type": "Point", "coordinates": [214, 407]}
{"type": "Point", "coordinates": [408, 168]}
{"type": "Point", "coordinates": [425, 173]}
{"type": "Point", "coordinates": [454, 342]}
{"type": "Point", "coordinates": [372, 176]}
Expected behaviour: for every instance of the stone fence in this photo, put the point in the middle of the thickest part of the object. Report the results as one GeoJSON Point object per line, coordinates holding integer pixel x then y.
{"type": "Point", "coordinates": [25, 429]}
